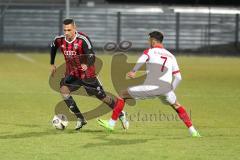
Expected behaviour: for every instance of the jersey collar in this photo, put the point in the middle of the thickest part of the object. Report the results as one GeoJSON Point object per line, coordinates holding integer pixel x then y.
{"type": "Point", "coordinates": [158, 46]}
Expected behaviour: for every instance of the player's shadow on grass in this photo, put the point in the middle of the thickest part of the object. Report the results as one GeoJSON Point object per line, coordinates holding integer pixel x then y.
{"type": "Point", "coordinates": [116, 142]}
{"type": "Point", "coordinates": [25, 135]}
{"type": "Point", "coordinates": [37, 134]}
{"type": "Point", "coordinates": [47, 132]}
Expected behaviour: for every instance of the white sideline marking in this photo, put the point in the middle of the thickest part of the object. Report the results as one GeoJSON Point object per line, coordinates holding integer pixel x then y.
{"type": "Point", "coordinates": [26, 58]}
{"type": "Point", "coordinates": [31, 60]}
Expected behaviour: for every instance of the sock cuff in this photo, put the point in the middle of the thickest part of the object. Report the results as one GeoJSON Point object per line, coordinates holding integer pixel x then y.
{"type": "Point", "coordinates": [112, 103]}
{"type": "Point", "coordinates": [66, 96]}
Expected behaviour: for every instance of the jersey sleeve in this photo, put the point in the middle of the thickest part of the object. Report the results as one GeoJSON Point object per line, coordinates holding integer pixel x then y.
{"type": "Point", "coordinates": [88, 50]}
{"type": "Point", "coordinates": [54, 46]}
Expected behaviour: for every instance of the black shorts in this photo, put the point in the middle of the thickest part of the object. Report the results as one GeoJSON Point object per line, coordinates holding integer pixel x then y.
{"type": "Point", "coordinates": [91, 85]}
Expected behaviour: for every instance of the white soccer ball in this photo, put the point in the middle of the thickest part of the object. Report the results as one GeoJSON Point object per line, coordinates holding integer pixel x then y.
{"type": "Point", "coordinates": [60, 121]}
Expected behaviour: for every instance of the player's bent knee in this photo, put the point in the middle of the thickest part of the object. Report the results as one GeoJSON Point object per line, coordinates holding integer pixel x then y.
{"type": "Point", "coordinates": [65, 92]}
{"type": "Point", "coordinates": [171, 98]}
{"type": "Point", "coordinates": [125, 95]}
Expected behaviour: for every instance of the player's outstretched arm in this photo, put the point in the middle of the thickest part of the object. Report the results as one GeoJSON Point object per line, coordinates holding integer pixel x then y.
{"type": "Point", "coordinates": [141, 60]}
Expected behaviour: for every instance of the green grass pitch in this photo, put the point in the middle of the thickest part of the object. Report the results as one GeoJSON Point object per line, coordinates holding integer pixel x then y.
{"type": "Point", "coordinates": [210, 90]}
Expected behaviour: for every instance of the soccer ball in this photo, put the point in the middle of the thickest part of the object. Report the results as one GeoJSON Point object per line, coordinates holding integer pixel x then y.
{"type": "Point", "coordinates": [60, 121]}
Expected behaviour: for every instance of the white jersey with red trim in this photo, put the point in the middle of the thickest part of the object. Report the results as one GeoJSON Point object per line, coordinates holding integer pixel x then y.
{"type": "Point", "coordinates": [166, 64]}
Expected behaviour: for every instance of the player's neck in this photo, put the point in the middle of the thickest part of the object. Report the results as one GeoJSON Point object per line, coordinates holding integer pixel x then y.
{"type": "Point", "coordinates": [70, 39]}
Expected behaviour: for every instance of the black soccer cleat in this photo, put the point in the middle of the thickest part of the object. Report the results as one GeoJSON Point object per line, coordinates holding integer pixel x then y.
{"type": "Point", "coordinates": [80, 123]}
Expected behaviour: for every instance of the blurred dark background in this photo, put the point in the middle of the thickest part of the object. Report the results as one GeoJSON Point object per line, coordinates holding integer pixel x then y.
{"type": "Point", "coordinates": [193, 26]}
{"type": "Point", "coordinates": [167, 2]}
{"type": "Point", "coordinates": [182, 2]}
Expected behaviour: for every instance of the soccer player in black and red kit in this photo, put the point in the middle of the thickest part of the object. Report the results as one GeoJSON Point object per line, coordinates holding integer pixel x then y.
{"type": "Point", "coordinates": [80, 70]}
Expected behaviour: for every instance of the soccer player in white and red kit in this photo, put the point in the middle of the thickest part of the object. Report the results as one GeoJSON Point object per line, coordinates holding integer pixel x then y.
{"type": "Point", "coordinates": [163, 77]}
{"type": "Point", "coordinates": [80, 70]}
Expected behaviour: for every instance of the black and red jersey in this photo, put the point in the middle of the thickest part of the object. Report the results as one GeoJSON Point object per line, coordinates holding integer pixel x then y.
{"type": "Point", "coordinates": [76, 52]}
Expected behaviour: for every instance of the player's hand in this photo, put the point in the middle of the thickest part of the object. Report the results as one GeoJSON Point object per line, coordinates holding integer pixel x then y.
{"type": "Point", "coordinates": [131, 74]}
{"type": "Point", "coordinates": [53, 70]}
{"type": "Point", "coordinates": [84, 67]}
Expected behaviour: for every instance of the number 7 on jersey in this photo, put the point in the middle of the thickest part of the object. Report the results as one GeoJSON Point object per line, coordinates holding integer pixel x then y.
{"type": "Point", "coordinates": [164, 62]}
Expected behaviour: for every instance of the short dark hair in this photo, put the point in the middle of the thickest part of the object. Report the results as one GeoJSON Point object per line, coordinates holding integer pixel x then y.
{"type": "Point", "coordinates": [156, 35]}
{"type": "Point", "coordinates": [68, 21]}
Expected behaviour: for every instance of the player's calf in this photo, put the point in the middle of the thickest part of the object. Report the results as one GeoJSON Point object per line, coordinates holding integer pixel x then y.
{"type": "Point", "coordinates": [183, 115]}
{"type": "Point", "coordinates": [73, 106]}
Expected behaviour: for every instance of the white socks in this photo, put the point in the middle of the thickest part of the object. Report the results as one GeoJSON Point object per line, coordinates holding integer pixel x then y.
{"type": "Point", "coordinates": [192, 130]}
{"type": "Point", "coordinates": [112, 122]}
